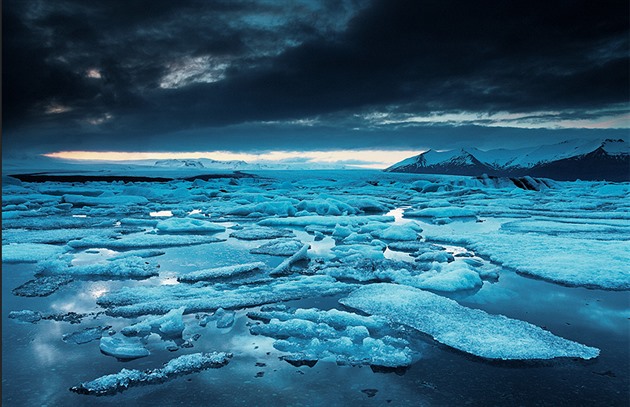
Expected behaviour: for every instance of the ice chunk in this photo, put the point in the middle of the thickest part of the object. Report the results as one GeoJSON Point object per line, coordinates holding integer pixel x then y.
{"type": "Point", "coordinates": [126, 267]}
{"type": "Point", "coordinates": [29, 252]}
{"type": "Point", "coordinates": [188, 225]}
{"type": "Point", "coordinates": [170, 325]}
{"type": "Point", "coordinates": [279, 247]}
{"type": "Point", "coordinates": [355, 252]}
{"type": "Point", "coordinates": [257, 233]}
{"type": "Point", "coordinates": [183, 365]}
{"type": "Point", "coordinates": [278, 207]}
{"type": "Point", "coordinates": [469, 330]}
{"type": "Point", "coordinates": [143, 240]}
{"type": "Point", "coordinates": [221, 272]}
{"type": "Point", "coordinates": [85, 335]}
{"type": "Point", "coordinates": [41, 286]}
{"type": "Point", "coordinates": [144, 300]}
{"type": "Point", "coordinates": [311, 335]}
{"type": "Point", "coordinates": [409, 231]}
{"type": "Point", "coordinates": [327, 221]}
{"type": "Point", "coordinates": [285, 266]}
{"type": "Point", "coordinates": [26, 316]}
{"type": "Point", "coordinates": [123, 348]}
{"type": "Point", "coordinates": [225, 319]}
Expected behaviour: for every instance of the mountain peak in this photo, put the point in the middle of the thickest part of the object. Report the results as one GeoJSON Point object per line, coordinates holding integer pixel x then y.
{"type": "Point", "coordinates": [568, 160]}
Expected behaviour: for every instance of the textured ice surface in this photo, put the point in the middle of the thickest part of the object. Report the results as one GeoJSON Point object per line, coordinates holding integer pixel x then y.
{"type": "Point", "coordinates": [258, 232]}
{"type": "Point", "coordinates": [188, 225]}
{"type": "Point", "coordinates": [312, 334]}
{"type": "Point", "coordinates": [126, 378]}
{"type": "Point", "coordinates": [29, 252]}
{"type": "Point", "coordinates": [279, 247]}
{"type": "Point", "coordinates": [42, 286]}
{"type": "Point", "coordinates": [285, 266]}
{"type": "Point", "coordinates": [129, 302]}
{"type": "Point", "coordinates": [126, 267]}
{"type": "Point", "coordinates": [469, 330]}
{"type": "Point", "coordinates": [169, 325]}
{"type": "Point", "coordinates": [221, 272]}
{"type": "Point", "coordinates": [143, 240]}
{"type": "Point", "coordinates": [447, 277]}
{"type": "Point", "coordinates": [123, 348]}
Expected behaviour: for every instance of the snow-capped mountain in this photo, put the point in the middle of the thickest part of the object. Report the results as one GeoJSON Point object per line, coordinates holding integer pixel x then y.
{"type": "Point", "coordinates": [570, 160]}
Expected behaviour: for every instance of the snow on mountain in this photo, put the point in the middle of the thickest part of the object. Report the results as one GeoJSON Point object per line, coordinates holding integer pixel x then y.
{"type": "Point", "coordinates": [572, 159]}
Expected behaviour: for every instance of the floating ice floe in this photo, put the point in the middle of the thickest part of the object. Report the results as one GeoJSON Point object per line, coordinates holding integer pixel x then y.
{"type": "Point", "coordinates": [32, 317]}
{"type": "Point", "coordinates": [469, 330]}
{"type": "Point", "coordinates": [131, 302]}
{"type": "Point", "coordinates": [446, 277]}
{"type": "Point", "coordinates": [85, 335]}
{"type": "Point", "coordinates": [123, 348]}
{"type": "Point", "coordinates": [259, 233]}
{"type": "Point", "coordinates": [312, 335]}
{"type": "Point", "coordinates": [188, 225]}
{"type": "Point", "coordinates": [126, 267]}
{"type": "Point", "coordinates": [221, 272]}
{"type": "Point", "coordinates": [42, 286]}
{"type": "Point", "coordinates": [143, 240]}
{"type": "Point", "coordinates": [279, 247]}
{"type": "Point", "coordinates": [566, 260]}
{"type": "Point", "coordinates": [169, 325]}
{"type": "Point", "coordinates": [30, 252]}
{"type": "Point", "coordinates": [183, 365]}
{"type": "Point", "coordinates": [408, 231]}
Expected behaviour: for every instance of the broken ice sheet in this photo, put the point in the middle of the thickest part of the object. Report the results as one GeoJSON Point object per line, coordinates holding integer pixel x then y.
{"type": "Point", "coordinates": [123, 348]}
{"type": "Point", "coordinates": [278, 247]}
{"type": "Point", "coordinates": [259, 233]}
{"type": "Point", "coordinates": [347, 338]}
{"type": "Point", "coordinates": [469, 330]}
{"type": "Point", "coordinates": [126, 378]}
{"type": "Point", "coordinates": [130, 302]}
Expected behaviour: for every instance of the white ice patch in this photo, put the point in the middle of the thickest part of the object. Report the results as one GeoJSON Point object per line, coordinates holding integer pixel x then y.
{"type": "Point", "coordinates": [143, 240]}
{"type": "Point", "coordinates": [188, 225]}
{"type": "Point", "coordinates": [221, 272]}
{"type": "Point", "coordinates": [123, 348]}
{"type": "Point", "coordinates": [469, 330]}
{"type": "Point", "coordinates": [30, 252]}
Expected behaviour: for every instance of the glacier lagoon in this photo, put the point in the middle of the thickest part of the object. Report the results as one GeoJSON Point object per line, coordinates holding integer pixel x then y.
{"type": "Point", "coordinates": [101, 268]}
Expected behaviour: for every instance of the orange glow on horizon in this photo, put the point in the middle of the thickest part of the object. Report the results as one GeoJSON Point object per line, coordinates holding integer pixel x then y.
{"type": "Point", "coordinates": [376, 158]}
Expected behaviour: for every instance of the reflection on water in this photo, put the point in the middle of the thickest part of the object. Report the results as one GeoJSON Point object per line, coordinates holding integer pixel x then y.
{"type": "Point", "coordinates": [256, 375]}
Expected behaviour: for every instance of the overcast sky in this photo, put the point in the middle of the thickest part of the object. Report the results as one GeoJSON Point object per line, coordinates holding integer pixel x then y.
{"type": "Point", "coordinates": [252, 76]}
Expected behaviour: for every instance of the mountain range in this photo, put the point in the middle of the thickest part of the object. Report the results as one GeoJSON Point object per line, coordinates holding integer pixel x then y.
{"type": "Point", "coordinates": [567, 161]}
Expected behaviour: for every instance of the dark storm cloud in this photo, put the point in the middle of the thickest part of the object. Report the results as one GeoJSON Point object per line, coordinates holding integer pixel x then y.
{"type": "Point", "coordinates": [202, 67]}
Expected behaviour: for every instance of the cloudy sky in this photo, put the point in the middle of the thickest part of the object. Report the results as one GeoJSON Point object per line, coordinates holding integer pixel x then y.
{"type": "Point", "coordinates": [263, 76]}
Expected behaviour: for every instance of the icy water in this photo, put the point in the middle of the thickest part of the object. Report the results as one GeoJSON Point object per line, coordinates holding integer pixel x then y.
{"type": "Point", "coordinates": [39, 367]}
